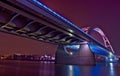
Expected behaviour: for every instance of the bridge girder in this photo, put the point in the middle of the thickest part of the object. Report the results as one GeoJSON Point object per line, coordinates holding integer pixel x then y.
{"type": "Point", "coordinates": [20, 20]}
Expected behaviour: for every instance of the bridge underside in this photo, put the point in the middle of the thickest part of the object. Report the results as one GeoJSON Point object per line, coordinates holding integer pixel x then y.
{"type": "Point", "coordinates": [20, 20]}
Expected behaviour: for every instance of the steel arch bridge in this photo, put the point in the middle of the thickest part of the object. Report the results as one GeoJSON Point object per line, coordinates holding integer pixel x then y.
{"type": "Point", "coordinates": [90, 30]}
{"type": "Point", "coordinates": [34, 20]}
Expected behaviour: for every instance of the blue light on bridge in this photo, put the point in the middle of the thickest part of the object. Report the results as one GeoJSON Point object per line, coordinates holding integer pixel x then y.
{"type": "Point", "coordinates": [56, 14]}
{"type": "Point", "coordinates": [71, 49]}
{"type": "Point", "coordinates": [111, 59]}
{"type": "Point", "coordinates": [75, 47]}
{"type": "Point", "coordinates": [98, 50]}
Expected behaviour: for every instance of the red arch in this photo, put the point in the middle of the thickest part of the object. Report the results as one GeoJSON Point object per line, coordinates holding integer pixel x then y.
{"type": "Point", "coordinates": [89, 30]}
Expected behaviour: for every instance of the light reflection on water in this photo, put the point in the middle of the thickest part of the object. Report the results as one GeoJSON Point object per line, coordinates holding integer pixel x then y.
{"type": "Point", "coordinates": [101, 69]}
{"type": "Point", "coordinates": [104, 69]}
{"type": "Point", "coordinates": [26, 68]}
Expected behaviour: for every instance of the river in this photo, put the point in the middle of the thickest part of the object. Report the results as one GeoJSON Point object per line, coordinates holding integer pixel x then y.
{"type": "Point", "coordinates": [36, 68]}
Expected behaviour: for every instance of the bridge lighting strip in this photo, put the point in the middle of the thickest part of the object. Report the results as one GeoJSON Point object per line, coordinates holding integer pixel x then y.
{"type": "Point", "coordinates": [56, 14]}
{"type": "Point", "coordinates": [62, 18]}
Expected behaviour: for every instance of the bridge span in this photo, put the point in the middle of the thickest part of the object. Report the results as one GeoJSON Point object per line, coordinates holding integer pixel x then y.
{"type": "Point", "coordinates": [34, 20]}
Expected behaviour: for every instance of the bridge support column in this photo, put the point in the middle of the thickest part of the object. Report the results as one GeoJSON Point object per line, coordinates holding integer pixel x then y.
{"type": "Point", "coordinates": [75, 54]}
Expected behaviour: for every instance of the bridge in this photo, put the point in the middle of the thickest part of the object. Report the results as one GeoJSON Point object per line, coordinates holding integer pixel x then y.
{"type": "Point", "coordinates": [34, 20]}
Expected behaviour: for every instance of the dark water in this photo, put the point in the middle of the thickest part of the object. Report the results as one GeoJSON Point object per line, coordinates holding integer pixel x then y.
{"type": "Point", "coordinates": [29, 68]}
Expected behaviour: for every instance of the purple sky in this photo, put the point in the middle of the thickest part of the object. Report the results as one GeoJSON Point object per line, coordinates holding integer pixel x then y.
{"type": "Point", "coordinates": [102, 13]}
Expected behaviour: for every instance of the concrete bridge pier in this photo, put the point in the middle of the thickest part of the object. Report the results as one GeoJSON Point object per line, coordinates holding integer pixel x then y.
{"type": "Point", "coordinates": [75, 54]}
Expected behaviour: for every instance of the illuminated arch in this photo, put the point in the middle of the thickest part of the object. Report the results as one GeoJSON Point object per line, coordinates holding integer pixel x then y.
{"type": "Point", "coordinates": [89, 30]}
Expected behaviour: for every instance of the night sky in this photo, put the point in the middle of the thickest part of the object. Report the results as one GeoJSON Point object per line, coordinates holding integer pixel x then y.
{"type": "Point", "coordinates": [102, 13]}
